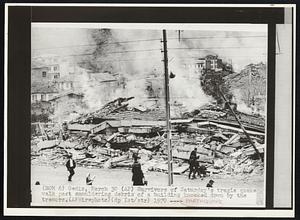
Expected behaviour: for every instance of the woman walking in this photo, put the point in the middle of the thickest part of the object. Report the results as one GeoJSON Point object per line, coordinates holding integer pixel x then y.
{"type": "Point", "coordinates": [137, 173]}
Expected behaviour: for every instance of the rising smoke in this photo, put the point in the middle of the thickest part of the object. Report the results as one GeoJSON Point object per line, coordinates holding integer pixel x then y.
{"type": "Point", "coordinates": [134, 58]}
{"type": "Point", "coordinates": [135, 55]}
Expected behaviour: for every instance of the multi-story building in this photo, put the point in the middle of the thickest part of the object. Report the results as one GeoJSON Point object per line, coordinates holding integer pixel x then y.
{"type": "Point", "coordinates": [51, 67]}
{"type": "Point", "coordinates": [210, 62]}
{"type": "Point", "coordinates": [64, 83]}
{"type": "Point", "coordinates": [41, 72]}
{"type": "Point", "coordinates": [40, 92]}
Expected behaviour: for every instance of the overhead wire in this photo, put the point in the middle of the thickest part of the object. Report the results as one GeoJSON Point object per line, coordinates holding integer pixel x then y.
{"type": "Point", "coordinates": [147, 50]}
{"type": "Point", "coordinates": [217, 37]}
{"type": "Point", "coordinates": [154, 39]}
{"type": "Point", "coordinates": [211, 48]}
{"type": "Point", "coordinates": [153, 50]}
{"type": "Point", "coordinates": [100, 44]}
{"type": "Point", "coordinates": [112, 52]}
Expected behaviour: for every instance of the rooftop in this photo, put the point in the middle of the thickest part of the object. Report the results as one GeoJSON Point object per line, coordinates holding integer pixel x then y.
{"type": "Point", "coordinates": [67, 78]}
{"type": "Point", "coordinates": [42, 88]}
{"type": "Point", "coordinates": [66, 94]}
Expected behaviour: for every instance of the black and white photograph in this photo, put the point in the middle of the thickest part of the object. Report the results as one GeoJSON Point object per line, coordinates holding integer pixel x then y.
{"type": "Point", "coordinates": [139, 110]}
{"type": "Point", "coordinates": [150, 107]}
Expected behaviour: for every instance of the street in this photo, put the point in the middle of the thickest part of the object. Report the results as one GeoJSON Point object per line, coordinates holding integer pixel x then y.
{"type": "Point", "coordinates": [119, 177]}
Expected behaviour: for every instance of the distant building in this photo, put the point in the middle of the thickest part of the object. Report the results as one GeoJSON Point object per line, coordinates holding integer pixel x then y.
{"type": "Point", "coordinates": [200, 64]}
{"type": "Point", "coordinates": [64, 97]}
{"type": "Point", "coordinates": [40, 92]}
{"type": "Point", "coordinates": [42, 72]}
{"type": "Point", "coordinates": [64, 83]}
{"type": "Point", "coordinates": [210, 62]}
{"type": "Point", "coordinates": [51, 67]}
{"type": "Point", "coordinates": [193, 67]}
{"type": "Point", "coordinates": [67, 103]}
{"type": "Point", "coordinates": [54, 70]}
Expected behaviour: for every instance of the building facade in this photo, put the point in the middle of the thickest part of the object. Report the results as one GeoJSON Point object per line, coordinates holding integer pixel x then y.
{"type": "Point", "coordinates": [210, 62]}
{"type": "Point", "coordinates": [41, 92]}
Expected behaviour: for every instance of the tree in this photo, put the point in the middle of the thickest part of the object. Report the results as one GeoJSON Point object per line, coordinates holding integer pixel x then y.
{"type": "Point", "coordinates": [212, 81]}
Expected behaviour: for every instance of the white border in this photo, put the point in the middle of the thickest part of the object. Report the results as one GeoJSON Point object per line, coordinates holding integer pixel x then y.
{"type": "Point", "coordinates": [294, 105]}
{"type": "Point", "coordinates": [153, 5]}
{"type": "Point", "coordinates": [148, 212]}
{"type": "Point", "coordinates": [142, 212]}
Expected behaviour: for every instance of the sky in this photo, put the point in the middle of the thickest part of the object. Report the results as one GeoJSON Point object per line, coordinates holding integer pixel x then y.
{"type": "Point", "coordinates": [139, 51]}
{"type": "Point", "coordinates": [236, 44]}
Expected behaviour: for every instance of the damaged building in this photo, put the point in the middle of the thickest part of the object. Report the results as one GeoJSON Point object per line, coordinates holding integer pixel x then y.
{"type": "Point", "coordinates": [108, 137]}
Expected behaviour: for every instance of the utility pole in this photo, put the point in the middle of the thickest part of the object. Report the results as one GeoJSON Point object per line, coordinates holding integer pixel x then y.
{"type": "Point", "coordinates": [249, 91]}
{"type": "Point", "coordinates": [179, 36]}
{"type": "Point", "coordinates": [242, 127]}
{"type": "Point", "coordinates": [169, 145]}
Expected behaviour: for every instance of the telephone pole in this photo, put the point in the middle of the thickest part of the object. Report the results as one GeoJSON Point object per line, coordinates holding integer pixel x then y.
{"type": "Point", "coordinates": [241, 125]}
{"type": "Point", "coordinates": [179, 35]}
{"type": "Point", "coordinates": [169, 145]}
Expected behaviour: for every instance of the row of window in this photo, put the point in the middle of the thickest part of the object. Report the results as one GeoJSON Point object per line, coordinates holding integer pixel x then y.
{"type": "Point", "coordinates": [201, 65]}
{"type": "Point", "coordinates": [41, 97]}
{"type": "Point", "coordinates": [65, 85]}
{"type": "Point", "coordinates": [44, 74]}
{"type": "Point", "coordinates": [35, 97]}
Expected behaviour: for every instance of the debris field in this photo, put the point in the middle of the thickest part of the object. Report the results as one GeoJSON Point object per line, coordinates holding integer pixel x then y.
{"type": "Point", "coordinates": [108, 138]}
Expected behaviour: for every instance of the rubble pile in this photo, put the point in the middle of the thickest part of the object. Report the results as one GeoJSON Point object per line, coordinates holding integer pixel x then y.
{"type": "Point", "coordinates": [97, 142]}
{"type": "Point", "coordinates": [120, 109]}
{"type": "Point", "coordinates": [219, 113]}
{"type": "Point", "coordinates": [110, 107]}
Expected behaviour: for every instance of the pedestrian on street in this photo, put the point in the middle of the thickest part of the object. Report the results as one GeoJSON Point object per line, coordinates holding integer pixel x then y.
{"type": "Point", "coordinates": [194, 153]}
{"type": "Point", "coordinates": [70, 167]}
{"type": "Point", "coordinates": [137, 173]}
{"type": "Point", "coordinates": [192, 163]}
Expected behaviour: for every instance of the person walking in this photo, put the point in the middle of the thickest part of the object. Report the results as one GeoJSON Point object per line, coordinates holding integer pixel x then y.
{"type": "Point", "coordinates": [194, 153]}
{"type": "Point", "coordinates": [137, 173]}
{"type": "Point", "coordinates": [70, 167]}
{"type": "Point", "coordinates": [192, 163]}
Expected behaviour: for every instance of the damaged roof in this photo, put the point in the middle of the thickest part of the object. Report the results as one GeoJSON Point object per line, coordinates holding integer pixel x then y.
{"type": "Point", "coordinates": [68, 93]}
{"type": "Point", "coordinates": [42, 88]}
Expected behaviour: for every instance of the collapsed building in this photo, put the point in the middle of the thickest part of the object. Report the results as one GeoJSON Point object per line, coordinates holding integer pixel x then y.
{"type": "Point", "coordinates": [108, 137]}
